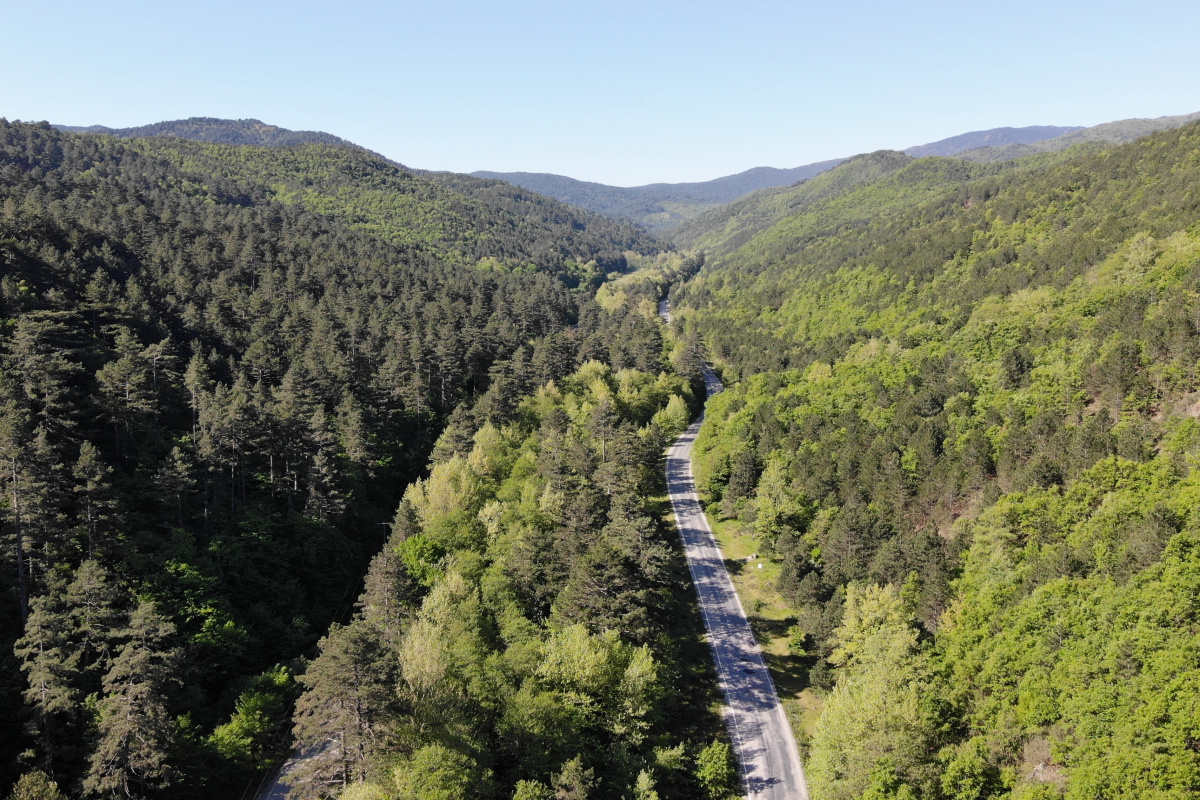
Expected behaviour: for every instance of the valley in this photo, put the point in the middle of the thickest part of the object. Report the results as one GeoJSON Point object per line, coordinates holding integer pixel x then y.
{"type": "Point", "coordinates": [438, 486]}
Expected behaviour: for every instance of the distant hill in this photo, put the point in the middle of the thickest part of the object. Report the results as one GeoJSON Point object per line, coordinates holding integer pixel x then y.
{"type": "Point", "coordinates": [1119, 132]}
{"type": "Point", "coordinates": [662, 207]}
{"type": "Point", "coordinates": [994, 137]}
{"type": "Point", "coordinates": [218, 131]}
{"type": "Point", "coordinates": [460, 218]}
{"type": "Point", "coordinates": [658, 207]}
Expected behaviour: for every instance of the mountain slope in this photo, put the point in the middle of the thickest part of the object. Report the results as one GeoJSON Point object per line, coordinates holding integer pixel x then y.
{"type": "Point", "coordinates": [663, 207]}
{"type": "Point", "coordinates": [963, 425]}
{"type": "Point", "coordinates": [855, 192]}
{"type": "Point", "coordinates": [658, 207]}
{"type": "Point", "coordinates": [218, 131]}
{"type": "Point", "coordinates": [995, 137]}
{"type": "Point", "coordinates": [468, 219]}
{"type": "Point", "coordinates": [211, 401]}
{"type": "Point", "coordinates": [1125, 130]}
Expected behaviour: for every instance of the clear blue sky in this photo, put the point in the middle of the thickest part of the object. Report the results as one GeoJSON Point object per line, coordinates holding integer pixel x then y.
{"type": "Point", "coordinates": [619, 92]}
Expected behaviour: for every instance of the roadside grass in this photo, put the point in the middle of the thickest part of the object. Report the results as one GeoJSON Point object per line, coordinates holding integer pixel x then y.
{"type": "Point", "coordinates": [770, 618]}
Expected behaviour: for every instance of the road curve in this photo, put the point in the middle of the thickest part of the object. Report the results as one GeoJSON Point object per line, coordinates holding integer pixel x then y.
{"type": "Point", "coordinates": [762, 739]}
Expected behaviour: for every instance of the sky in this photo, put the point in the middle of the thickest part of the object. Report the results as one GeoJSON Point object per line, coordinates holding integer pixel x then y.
{"type": "Point", "coordinates": [624, 93]}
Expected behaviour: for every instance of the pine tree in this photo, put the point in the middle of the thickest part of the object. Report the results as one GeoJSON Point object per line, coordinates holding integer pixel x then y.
{"type": "Point", "coordinates": [136, 731]}
{"type": "Point", "coordinates": [94, 492]}
{"type": "Point", "coordinates": [15, 433]}
{"type": "Point", "coordinates": [36, 785]}
{"type": "Point", "coordinates": [94, 600]}
{"type": "Point", "coordinates": [173, 482]}
{"type": "Point", "coordinates": [326, 501]}
{"type": "Point", "coordinates": [341, 719]}
{"type": "Point", "coordinates": [50, 658]}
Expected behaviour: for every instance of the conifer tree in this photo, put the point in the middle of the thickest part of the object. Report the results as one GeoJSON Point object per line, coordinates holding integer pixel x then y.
{"type": "Point", "coordinates": [95, 496]}
{"type": "Point", "coordinates": [50, 658]}
{"type": "Point", "coordinates": [136, 733]}
{"type": "Point", "coordinates": [342, 716]}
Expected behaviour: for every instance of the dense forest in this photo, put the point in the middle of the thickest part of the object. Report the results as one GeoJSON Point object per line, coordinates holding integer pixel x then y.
{"type": "Point", "coordinates": [219, 131]}
{"type": "Point", "coordinates": [212, 399]}
{"type": "Point", "coordinates": [962, 420]}
{"type": "Point", "coordinates": [307, 452]}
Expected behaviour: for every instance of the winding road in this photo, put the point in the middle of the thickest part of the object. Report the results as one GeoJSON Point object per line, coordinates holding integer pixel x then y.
{"type": "Point", "coordinates": [762, 739]}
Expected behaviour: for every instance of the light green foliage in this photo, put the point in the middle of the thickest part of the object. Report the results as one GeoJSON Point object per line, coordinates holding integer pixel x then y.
{"type": "Point", "coordinates": [36, 785]}
{"type": "Point", "coordinates": [261, 709]}
{"type": "Point", "coordinates": [716, 772]}
{"type": "Point", "coordinates": [509, 656]}
{"type": "Point", "coordinates": [1057, 631]}
{"type": "Point", "coordinates": [436, 773]}
{"type": "Point", "coordinates": [365, 791]}
{"type": "Point", "coordinates": [874, 717]}
{"type": "Point", "coordinates": [977, 382]}
{"type": "Point", "coordinates": [532, 790]}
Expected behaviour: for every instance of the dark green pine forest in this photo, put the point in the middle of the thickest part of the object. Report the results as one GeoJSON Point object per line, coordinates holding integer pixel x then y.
{"type": "Point", "coordinates": [303, 451]}
{"type": "Point", "coordinates": [223, 368]}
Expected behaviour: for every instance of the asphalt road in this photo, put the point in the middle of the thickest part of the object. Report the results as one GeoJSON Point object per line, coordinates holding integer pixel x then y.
{"type": "Point", "coordinates": [762, 739]}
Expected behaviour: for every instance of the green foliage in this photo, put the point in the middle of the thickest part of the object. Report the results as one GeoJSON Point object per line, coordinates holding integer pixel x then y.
{"type": "Point", "coordinates": [874, 720]}
{"type": "Point", "coordinates": [437, 773]}
{"type": "Point", "coordinates": [251, 737]}
{"type": "Point", "coordinates": [214, 387]}
{"type": "Point", "coordinates": [716, 771]}
{"type": "Point", "coordinates": [536, 648]}
{"type": "Point", "coordinates": [976, 382]}
{"type": "Point", "coordinates": [460, 218]}
{"type": "Point", "coordinates": [36, 785]}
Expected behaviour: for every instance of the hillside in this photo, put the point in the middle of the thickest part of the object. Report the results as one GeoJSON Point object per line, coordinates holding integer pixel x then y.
{"type": "Point", "coordinates": [1125, 130]}
{"type": "Point", "coordinates": [961, 423]}
{"type": "Point", "coordinates": [658, 207]}
{"type": "Point", "coordinates": [666, 207]}
{"type": "Point", "coordinates": [466, 219]}
{"type": "Point", "coordinates": [856, 192]}
{"type": "Point", "coordinates": [212, 400]}
{"type": "Point", "coordinates": [995, 137]}
{"type": "Point", "coordinates": [217, 131]}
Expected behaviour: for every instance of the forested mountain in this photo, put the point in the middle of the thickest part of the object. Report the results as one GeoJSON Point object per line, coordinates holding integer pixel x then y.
{"type": "Point", "coordinates": [305, 451]}
{"type": "Point", "coordinates": [218, 131]}
{"type": "Point", "coordinates": [215, 387]}
{"type": "Point", "coordinates": [1125, 130]}
{"type": "Point", "coordinates": [962, 419]}
{"type": "Point", "coordinates": [993, 137]}
{"type": "Point", "coordinates": [456, 217]}
{"type": "Point", "coordinates": [853, 193]}
{"type": "Point", "coordinates": [663, 207]}
{"type": "Point", "coordinates": [658, 207]}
